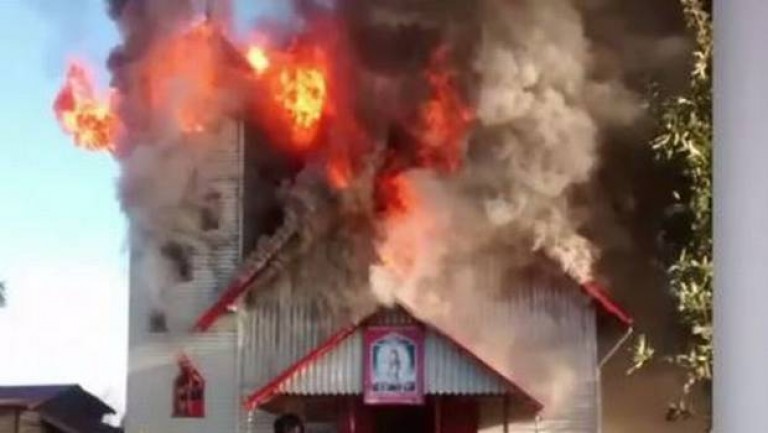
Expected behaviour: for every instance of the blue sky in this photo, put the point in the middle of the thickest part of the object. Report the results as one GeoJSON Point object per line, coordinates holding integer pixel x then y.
{"type": "Point", "coordinates": [62, 236]}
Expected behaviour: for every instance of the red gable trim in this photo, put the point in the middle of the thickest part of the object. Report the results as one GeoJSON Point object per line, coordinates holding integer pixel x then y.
{"type": "Point", "coordinates": [240, 285]}
{"type": "Point", "coordinates": [599, 295]}
{"type": "Point", "coordinates": [268, 391]}
{"type": "Point", "coordinates": [537, 406]}
{"type": "Point", "coordinates": [230, 295]}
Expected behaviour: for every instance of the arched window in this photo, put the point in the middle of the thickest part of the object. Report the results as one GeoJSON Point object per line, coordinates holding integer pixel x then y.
{"type": "Point", "coordinates": [188, 392]}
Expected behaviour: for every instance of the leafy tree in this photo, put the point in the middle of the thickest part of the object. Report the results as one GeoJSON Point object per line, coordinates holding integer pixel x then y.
{"type": "Point", "coordinates": [685, 143]}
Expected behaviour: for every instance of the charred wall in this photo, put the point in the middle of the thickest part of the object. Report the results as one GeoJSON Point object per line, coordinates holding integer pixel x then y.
{"type": "Point", "coordinates": [266, 171]}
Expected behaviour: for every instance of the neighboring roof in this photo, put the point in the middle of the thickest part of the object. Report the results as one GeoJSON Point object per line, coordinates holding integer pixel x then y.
{"type": "Point", "coordinates": [68, 407]}
{"type": "Point", "coordinates": [31, 396]}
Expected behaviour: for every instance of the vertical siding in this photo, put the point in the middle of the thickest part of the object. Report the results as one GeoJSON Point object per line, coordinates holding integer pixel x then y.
{"type": "Point", "coordinates": [559, 327]}
{"type": "Point", "coordinates": [278, 334]}
{"type": "Point", "coordinates": [152, 373]}
{"type": "Point", "coordinates": [216, 255]}
{"type": "Point", "coordinates": [152, 357]}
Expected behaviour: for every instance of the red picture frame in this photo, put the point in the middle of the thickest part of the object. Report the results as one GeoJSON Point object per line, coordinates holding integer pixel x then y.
{"type": "Point", "coordinates": [393, 365]}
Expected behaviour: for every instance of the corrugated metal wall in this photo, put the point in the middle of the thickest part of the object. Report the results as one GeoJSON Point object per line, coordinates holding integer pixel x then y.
{"type": "Point", "coordinates": [216, 255]}
{"type": "Point", "coordinates": [153, 369]}
{"type": "Point", "coordinates": [561, 327]}
{"type": "Point", "coordinates": [447, 371]}
{"type": "Point", "coordinates": [552, 338]}
{"type": "Point", "coordinates": [152, 365]}
{"type": "Point", "coordinates": [278, 334]}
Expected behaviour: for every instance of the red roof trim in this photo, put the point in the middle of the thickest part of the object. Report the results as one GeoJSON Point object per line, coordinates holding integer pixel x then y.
{"type": "Point", "coordinates": [270, 389]}
{"type": "Point", "coordinates": [537, 405]}
{"type": "Point", "coordinates": [263, 394]}
{"type": "Point", "coordinates": [230, 295]}
{"type": "Point", "coordinates": [595, 291]}
{"type": "Point", "coordinates": [240, 285]}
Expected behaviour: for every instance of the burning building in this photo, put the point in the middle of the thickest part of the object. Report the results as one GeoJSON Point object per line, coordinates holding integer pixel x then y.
{"type": "Point", "coordinates": [364, 218]}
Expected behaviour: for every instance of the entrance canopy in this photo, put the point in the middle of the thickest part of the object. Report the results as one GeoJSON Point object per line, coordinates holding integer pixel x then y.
{"type": "Point", "coordinates": [437, 365]}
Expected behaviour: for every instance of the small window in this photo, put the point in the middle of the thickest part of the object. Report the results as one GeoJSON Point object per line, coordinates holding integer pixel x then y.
{"type": "Point", "coordinates": [157, 322]}
{"type": "Point", "coordinates": [210, 215]}
{"type": "Point", "coordinates": [189, 392]}
{"type": "Point", "coordinates": [180, 256]}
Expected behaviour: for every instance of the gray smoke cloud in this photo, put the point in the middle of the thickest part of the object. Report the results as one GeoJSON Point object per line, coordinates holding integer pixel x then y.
{"type": "Point", "coordinates": [557, 80]}
{"type": "Point", "coordinates": [540, 111]}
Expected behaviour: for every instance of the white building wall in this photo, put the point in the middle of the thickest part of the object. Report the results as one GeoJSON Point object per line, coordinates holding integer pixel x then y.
{"type": "Point", "coordinates": [215, 257]}
{"type": "Point", "coordinates": [566, 322]}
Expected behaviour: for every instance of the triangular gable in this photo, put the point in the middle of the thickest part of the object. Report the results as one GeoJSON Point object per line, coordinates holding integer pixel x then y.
{"type": "Point", "coordinates": [313, 374]}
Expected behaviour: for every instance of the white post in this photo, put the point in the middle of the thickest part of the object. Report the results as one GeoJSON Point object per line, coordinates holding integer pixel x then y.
{"type": "Point", "coordinates": [741, 216]}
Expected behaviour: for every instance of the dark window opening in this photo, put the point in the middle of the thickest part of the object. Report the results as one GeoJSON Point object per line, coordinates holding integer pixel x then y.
{"type": "Point", "coordinates": [157, 322]}
{"type": "Point", "coordinates": [180, 256]}
{"type": "Point", "coordinates": [188, 392]}
{"type": "Point", "coordinates": [210, 217]}
{"type": "Point", "coordinates": [267, 167]}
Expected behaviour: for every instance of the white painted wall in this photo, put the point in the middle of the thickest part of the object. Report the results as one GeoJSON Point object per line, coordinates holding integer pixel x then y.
{"type": "Point", "coordinates": [152, 359]}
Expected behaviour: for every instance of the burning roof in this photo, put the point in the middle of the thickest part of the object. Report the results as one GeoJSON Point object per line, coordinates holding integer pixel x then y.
{"type": "Point", "coordinates": [464, 149]}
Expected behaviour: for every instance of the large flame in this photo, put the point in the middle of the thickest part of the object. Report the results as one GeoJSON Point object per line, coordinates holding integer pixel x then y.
{"type": "Point", "coordinates": [183, 89]}
{"type": "Point", "coordinates": [297, 84]}
{"type": "Point", "coordinates": [445, 118]}
{"type": "Point", "coordinates": [89, 119]}
{"type": "Point", "coordinates": [410, 227]}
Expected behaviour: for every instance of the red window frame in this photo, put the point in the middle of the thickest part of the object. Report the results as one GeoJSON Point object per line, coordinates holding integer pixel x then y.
{"type": "Point", "coordinates": [188, 392]}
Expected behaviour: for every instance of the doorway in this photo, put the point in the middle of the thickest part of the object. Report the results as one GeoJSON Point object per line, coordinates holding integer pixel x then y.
{"type": "Point", "coordinates": [403, 419]}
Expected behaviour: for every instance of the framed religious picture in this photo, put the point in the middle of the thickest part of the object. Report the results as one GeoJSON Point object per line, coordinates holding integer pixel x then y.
{"type": "Point", "coordinates": [393, 365]}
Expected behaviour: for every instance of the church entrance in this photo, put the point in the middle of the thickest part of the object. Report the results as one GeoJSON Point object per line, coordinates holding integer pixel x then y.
{"type": "Point", "coordinates": [436, 415]}
{"type": "Point", "coordinates": [403, 419]}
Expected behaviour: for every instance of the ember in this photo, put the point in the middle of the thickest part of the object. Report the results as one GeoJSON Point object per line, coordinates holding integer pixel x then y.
{"type": "Point", "coordinates": [90, 121]}
{"type": "Point", "coordinates": [258, 59]}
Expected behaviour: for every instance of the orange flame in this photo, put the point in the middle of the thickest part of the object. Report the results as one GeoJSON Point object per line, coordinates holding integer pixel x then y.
{"type": "Point", "coordinates": [91, 122]}
{"type": "Point", "coordinates": [297, 83]}
{"type": "Point", "coordinates": [445, 118]}
{"type": "Point", "coordinates": [185, 89]}
{"type": "Point", "coordinates": [404, 221]}
{"type": "Point", "coordinates": [302, 92]}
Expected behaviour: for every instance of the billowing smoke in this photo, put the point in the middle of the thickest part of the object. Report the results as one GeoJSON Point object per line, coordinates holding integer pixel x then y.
{"type": "Point", "coordinates": [468, 238]}
{"type": "Point", "coordinates": [172, 107]}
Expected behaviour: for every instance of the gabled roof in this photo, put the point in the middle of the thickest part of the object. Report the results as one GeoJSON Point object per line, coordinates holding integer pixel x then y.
{"type": "Point", "coordinates": [263, 394]}
{"type": "Point", "coordinates": [30, 396]}
{"type": "Point", "coordinates": [67, 407]}
{"type": "Point", "coordinates": [33, 396]}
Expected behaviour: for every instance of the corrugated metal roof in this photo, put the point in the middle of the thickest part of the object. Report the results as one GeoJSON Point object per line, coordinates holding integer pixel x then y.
{"type": "Point", "coordinates": [278, 334]}
{"type": "Point", "coordinates": [447, 370]}
{"type": "Point", "coordinates": [542, 338]}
